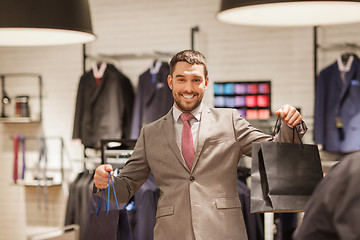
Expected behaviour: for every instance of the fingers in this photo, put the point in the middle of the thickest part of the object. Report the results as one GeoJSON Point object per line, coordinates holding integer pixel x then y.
{"type": "Point", "coordinates": [283, 111]}
{"type": "Point", "coordinates": [295, 119]}
{"type": "Point", "coordinates": [101, 176]}
{"type": "Point", "coordinates": [289, 115]}
{"type": "Point", "coordinates": [108, 168]}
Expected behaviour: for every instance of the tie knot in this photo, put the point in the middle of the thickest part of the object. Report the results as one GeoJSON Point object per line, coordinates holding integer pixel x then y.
{"type": "Point", "coordinates": [186, 116]}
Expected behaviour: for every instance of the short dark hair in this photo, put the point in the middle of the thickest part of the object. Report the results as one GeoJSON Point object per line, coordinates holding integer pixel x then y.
{"type": "Point", "coordinates": [189, 56]}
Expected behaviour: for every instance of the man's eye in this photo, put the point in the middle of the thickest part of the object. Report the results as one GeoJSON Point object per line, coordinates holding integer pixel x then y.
{"type": "Point", "coordinates": [197, 80]}
{"type": "Point", "coordinates": [181, 79]}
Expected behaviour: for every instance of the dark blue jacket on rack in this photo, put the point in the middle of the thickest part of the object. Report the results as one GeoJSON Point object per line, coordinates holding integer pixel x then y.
{"type": "Point", "coordinates": [333, 98]}
{"type": "Point", "coordinates": [153, 99]}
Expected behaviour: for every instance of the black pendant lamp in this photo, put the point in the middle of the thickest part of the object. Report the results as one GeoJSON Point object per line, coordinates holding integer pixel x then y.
{"type": "Point", "coordinates": [289, 13]}
{"type": "Point", "coordinates": [44, 22]}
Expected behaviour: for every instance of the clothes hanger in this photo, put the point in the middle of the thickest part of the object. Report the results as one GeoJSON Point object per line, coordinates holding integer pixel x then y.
{"type": "Point", "coordinates": [154, 69]}
{"type": "Point", "coordinates": [99, 69]}
{"type": "Point", "coordinates": [350, 50]}
{"type": "Point", "coordinates": [345, 57]}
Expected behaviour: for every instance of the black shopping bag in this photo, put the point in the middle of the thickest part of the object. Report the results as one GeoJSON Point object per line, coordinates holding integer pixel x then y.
{"type": "Point", "coordinates": [110, 224]}
{"type": "Point", "coordinates": [283, 175]}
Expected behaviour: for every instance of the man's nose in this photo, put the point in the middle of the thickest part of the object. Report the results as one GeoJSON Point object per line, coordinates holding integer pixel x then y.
{"type": "Point", "coordinates": [188, 86]}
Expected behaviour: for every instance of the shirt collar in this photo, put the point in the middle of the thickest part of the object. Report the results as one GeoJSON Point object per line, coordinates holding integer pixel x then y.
{"type": "Point", "coordinates": [196, 112]}
{"type": "Point", "coordinates": [345, 67]}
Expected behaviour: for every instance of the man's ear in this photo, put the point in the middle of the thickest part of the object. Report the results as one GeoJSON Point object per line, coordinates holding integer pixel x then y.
{"type": "Point", "coordinates": [206, 82]}
{"type": "Point", "coordinates": [170, 81]}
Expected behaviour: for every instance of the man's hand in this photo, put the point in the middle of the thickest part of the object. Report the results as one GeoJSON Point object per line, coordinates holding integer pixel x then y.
{"type": "Point", "coordinates": [101, 176]}
{"type": "Point", "coordinates": [289, 115]}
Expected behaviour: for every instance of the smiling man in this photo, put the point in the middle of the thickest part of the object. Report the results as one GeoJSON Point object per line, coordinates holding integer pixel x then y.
{"type": "Point", "coordinates": [193, 153]}
{"type": "Point", "coordinates": [188, 82]}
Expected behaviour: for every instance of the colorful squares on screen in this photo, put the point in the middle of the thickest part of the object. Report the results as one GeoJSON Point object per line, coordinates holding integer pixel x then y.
{"type": "Point", "coordinates": [219, 101]}
{"type": "Point", "coordinates": [264, 88]}
{"type": "Point", "coordinates": [251, 114]}
{"type": "Point", "coordinates": [251, 101]}
{"type": "Point", "coordinates": [230, 102]}
{"type": "Point", "coordinates": [263, 100]}
{"type": "Point", "coordinates": [263, 113]}
{"type": "Point", "coordinates": [240, 101]}
{"type": "Point", "coordinates": [218, 88]}
{"type": "Point", "coordinates": [229, 88]}
{"type": "Point", "coordinates": [252, 88]}
{"type": "Point", "coordinates": [240, 88]}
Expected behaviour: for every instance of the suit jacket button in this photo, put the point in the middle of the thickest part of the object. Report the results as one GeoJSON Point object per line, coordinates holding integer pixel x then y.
{"type": "Point", "coordinates": [192, 179]}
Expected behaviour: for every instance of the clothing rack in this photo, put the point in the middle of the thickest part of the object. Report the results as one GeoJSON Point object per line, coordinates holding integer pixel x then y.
{"type": "Point", "coordinates": [116, 151]}
{"type": "Point", "coordinates": [131, 56]}
{"type": "Point", "coordinates": [134, 56]}
{"type": "Point", "coordinates": [93, 159]}
{"type": "Point", "coordinates": [340, 46]}
{"type": "Point", "coordinates": [125, 56]}
{"type": "Point", "coordinates": [193, 30]}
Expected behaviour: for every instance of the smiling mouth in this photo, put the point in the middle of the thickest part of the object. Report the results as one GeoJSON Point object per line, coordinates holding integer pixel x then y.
{"type": "Point", "coordinates": [188, 96]}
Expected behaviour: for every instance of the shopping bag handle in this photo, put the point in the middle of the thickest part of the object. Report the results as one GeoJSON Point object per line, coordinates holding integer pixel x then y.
{"type": "Point", "coordinates": [107, 201]}
{"type": "Point", "coordinates": [277, 130]}
{"type": "Point", "coordinates": [102, 193]}
{"type": "Point", "coordinates": [112, 183]}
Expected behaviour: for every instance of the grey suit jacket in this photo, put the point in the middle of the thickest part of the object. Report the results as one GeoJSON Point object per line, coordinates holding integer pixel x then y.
{"type": "Point", "coordinates": [201, 203]}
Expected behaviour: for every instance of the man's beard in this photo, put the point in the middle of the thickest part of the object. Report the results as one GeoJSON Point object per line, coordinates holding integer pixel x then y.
{"type": "Point", "coordinates": [185, 108]}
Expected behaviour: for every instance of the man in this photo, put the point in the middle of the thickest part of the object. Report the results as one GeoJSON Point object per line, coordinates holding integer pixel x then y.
{"type": "Point", "coordinates": [197, 176]}
{"type": "Point", "coordinates": [333, 211]}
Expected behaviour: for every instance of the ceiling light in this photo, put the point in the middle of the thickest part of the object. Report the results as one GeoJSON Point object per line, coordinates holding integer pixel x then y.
{"type": "Point", "coordinates": [288, 13]}
{"type": "Point", "coordinates": [44, 22]}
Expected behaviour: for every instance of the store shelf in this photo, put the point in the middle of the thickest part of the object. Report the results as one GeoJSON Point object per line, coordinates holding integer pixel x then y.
{"type": "Point", "coordinates": [20, 88]}
{"type": "Point", "coordinates": [18, 120]}
{"type": "Point", "coordinates": [36, 183]}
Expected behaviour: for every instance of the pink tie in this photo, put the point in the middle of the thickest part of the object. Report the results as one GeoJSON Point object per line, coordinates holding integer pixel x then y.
{"type": "Point", "coordinates": [187, 144]}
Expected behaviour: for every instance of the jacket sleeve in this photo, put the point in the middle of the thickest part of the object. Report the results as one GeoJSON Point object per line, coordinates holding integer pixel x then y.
{"type": "Point", "coordinates": [129, 109]}
{"type": "Point", "coordinates": [137, 112]}
{"type": "Point", "coordinates": [79, 110]}
{"type": "Point", "coordinates": [320, 110]}
{"type": "Point", "coordinates": [133, 175]}
{"type": "Point", "coordinates": [246, 134]}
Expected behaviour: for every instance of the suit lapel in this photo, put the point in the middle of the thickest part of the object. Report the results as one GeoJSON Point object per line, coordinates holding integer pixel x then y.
{"type": "Point", "coordinates": [205, 124]}
{"type": "Point", "coordinates": [337, 76]}
{"type": "Point", "coordinates": [150, 90]}
{"type": "Point", "coordinates": [168, 127]}
{"type": "Point", "coordinates": [348, 77]}
{"type": "Point", "coordinates": [98, 89]}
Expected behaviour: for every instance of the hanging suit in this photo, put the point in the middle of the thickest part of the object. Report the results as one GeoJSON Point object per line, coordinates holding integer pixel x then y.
{"type": "Point", "coordinates": [153, 99]}
{"type": "Point", "coordinates": [333, 98]}
{"type": "Point", "coordinates": [201, 203]}
{"type": "Point", "coordinates": [145, 203]}
{"type": "Point", "coordinates": [253, 223]}
{"type": "Point", "coordinates": [103, 111]}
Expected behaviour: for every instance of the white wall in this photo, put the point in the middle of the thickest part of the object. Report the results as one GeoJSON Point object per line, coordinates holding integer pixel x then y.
{"type": "Point", "coordinates": [282, 55]}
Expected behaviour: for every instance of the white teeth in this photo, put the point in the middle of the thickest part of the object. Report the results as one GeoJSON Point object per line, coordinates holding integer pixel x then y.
{"type": "Point", "coordinates": [188, 96]}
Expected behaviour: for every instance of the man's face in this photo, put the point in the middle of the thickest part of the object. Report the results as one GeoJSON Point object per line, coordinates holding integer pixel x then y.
{"type": "Point", "coordinates": [188, 85]}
